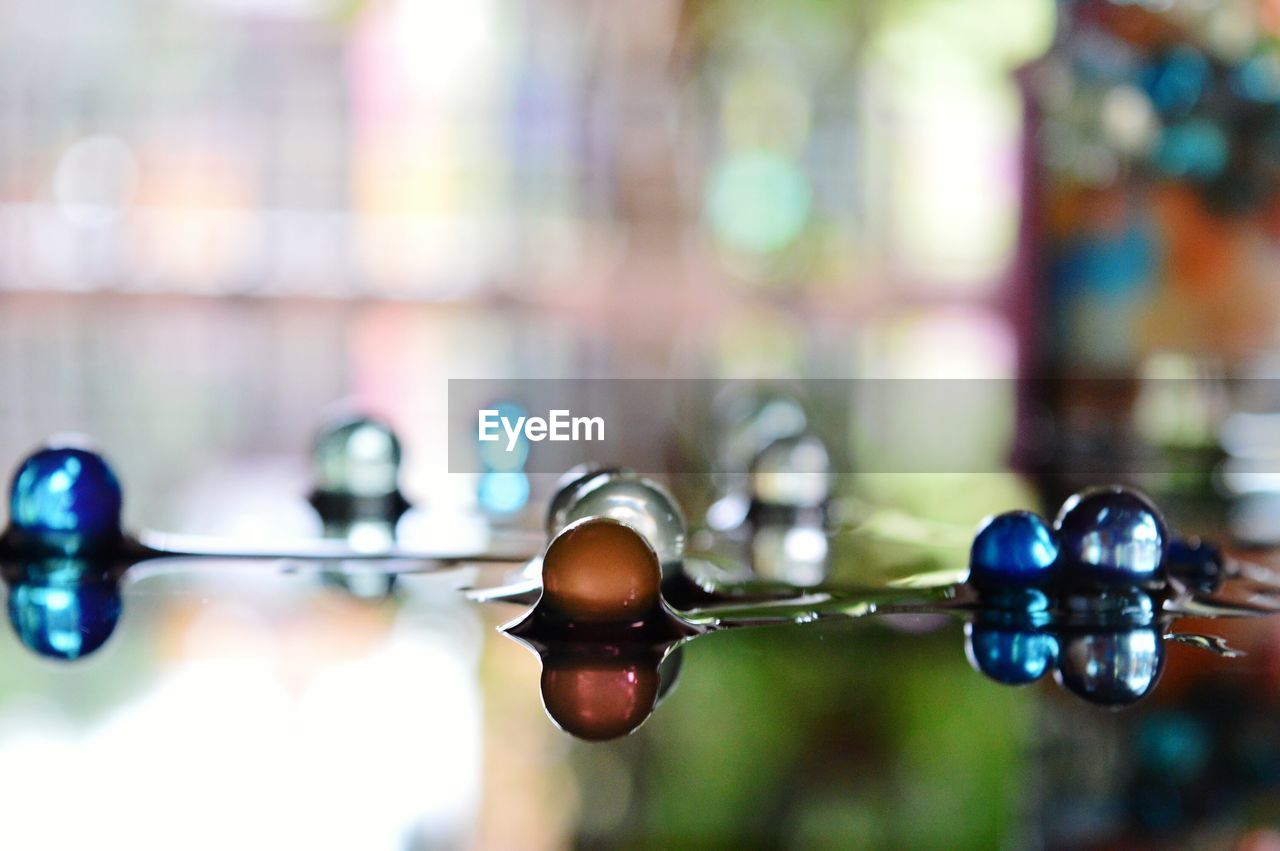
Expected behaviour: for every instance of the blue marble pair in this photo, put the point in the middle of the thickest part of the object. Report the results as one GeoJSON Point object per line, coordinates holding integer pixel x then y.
{"type": "Point", "coordinates": [1102, 537]}
{"type": "Point", "coordinates": [1106, 553]}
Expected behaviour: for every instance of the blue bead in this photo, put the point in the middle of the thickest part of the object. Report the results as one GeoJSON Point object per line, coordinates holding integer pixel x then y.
{"type": "Point", "coordinates": [1013, 549]}
{"type": "Point", "coordinates": [1111, 536]}
{"type": "Point", "coordinates": [65, 501]}
{"type": "Point", "coordinates": [1111, 668]}
{"type": "Point", "coordinates": [1012, 657]}
{"type": "Point", "coordinates": [1196, 562]}
{"type": "Point", "coordinates": [64, 615]}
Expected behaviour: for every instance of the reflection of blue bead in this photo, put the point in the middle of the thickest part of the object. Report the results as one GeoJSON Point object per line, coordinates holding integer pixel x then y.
{"type": "Point", "coordinates": [1012, 657]}
{"type": "Point", "coordinates": [64, 618]}
{"type": "Point", "coordinates": [1017, 548]}
{"type": "Point", "coordinates": [1113, 668]}
{"type": "Point", "coordinates": [66, 501]}
{"type": "Point", "coordinates": [1111, 536]}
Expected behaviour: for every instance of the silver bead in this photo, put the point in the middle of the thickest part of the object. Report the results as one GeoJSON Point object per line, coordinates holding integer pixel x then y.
{"type": "Point", "coordinates": [797, 555]}
{"type": "Point", "coordinates": [792, 471]}
{"type": "Point", "coordinates": [356, 457]}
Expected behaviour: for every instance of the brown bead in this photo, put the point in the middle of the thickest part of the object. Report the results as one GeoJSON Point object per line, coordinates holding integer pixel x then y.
{"type": "Point", "coordinates": [599, 699]}
{"type": "Point", "coordinates": [600, 571]}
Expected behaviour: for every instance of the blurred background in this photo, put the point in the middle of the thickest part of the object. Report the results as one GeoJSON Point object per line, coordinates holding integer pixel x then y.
{"type": "Point", "coordinates": [219, 217]}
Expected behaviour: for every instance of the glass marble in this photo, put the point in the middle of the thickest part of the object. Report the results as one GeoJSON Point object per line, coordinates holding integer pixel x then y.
{"type": "Point", "coordinates": [65, 501]}
{"type": "Point", "coordinates": [1111, 667]}
{"type": "Point", "coordinates": [1111, 536]}
{"type": "Point", "coordinates": [1011, 657]}
{"type": "Point", "coordinates": [634, 501]}
{"type": "Point", "coordinates": [64, 615]}
{"type": "Point", "coordinates": [356, 456]}
{"type": "Point", "coordinates": [1013, 549]}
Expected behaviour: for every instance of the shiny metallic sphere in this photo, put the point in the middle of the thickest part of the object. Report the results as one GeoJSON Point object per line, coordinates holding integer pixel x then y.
{"type": "Point", "coordinates": [1111, 536]}
{"type": "Point", "coordinates": [794, 472]}
{"type": "Point", "coordinates": [358, 457]}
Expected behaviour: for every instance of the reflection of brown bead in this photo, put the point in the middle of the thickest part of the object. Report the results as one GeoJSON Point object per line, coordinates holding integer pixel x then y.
{"type": "Point", "coordinates": [599, 699]}
{"type": "Point", "coordinates": [600, 571]}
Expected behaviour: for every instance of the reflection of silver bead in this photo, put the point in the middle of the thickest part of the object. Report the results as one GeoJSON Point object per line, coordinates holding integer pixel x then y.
{"type": "Point", "coordinates": [796, 555]}
{"type": "Point", "coordinates": [640, 503]}
{"type": "Point", "coordinates": [792, 471]}
{"type": "Point", "coordinates": [356, 457]}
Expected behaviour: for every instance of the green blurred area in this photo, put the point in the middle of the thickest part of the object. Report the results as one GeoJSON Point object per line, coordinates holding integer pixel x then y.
{"type": "Point", "coordinates": [854, 736]}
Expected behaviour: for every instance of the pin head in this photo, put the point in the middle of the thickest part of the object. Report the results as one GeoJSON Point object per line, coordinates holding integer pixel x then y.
{"type": "Point", "coordinates": [599, 570]}
{"type": "Point", "coordinates": [65, 501]}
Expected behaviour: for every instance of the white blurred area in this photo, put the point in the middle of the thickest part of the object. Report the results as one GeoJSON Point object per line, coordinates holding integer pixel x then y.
{"type": "Point", "coordinates": [262, 726]}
